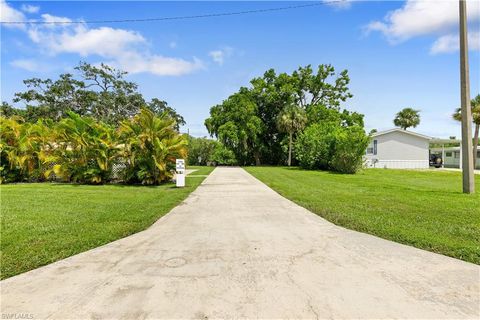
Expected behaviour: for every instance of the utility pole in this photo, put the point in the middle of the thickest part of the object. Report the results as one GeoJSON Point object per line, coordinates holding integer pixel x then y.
{"type": "Point", "coordinates": [467, 148]}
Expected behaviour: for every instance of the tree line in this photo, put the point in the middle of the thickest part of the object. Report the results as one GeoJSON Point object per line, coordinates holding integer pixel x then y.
{"type": "Point", "coordinates": [100, 92]}
{"type": "Point", "coordinates": [92, 127]}
{"type": "Point", "coordinates": [292, 118]}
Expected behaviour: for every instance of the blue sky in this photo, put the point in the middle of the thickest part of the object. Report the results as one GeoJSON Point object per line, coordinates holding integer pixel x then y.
{"type": "Point", "coordinates": [398, 53]}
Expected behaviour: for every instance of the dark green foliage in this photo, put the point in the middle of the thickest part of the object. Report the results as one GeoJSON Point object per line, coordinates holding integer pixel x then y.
{"type": "Point", "coordinates": [236, 124]}
{"type": "Point", "coordinates": [247, 122]}
{"type": "Point", "coordinates": [200, 150]}
{"type": "Point", "coordinates": [223, 156]}
{"type": "Point", "coordinates": [160, 107]}
{"type": "Point", "coordinates": [349, 147]}
{"type": "Point", "coordinates": [99, 92]}
{"type": "Point", "coordinates": [335, 141]}
{"type": "Point", "coordinates": [314, 147]}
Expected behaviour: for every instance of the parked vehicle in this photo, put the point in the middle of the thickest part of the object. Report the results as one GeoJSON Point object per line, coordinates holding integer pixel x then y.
{"type": "Point", "coordinates": [435, 161]}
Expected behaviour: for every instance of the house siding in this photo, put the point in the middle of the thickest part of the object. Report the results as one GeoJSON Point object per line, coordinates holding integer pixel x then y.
{"type": "Point", "coordinates": [399, 150]}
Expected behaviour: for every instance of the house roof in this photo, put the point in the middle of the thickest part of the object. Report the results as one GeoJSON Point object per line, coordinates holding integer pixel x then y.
{"type": "Point", "coordinates": [380, 133]}
{"type": "Point", "coordinates": [449, 149]}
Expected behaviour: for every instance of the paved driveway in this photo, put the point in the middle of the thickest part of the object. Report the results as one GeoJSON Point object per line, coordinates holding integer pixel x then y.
{"type": "Point", "coordinates": [235, 248]}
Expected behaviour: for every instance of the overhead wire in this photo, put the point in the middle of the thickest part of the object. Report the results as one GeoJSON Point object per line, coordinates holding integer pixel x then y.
{"type": "Point", "coordinates": [186, 17]}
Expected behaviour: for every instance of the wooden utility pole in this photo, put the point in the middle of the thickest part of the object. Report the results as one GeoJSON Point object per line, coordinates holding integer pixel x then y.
{"type": "Point", "coordinates": [467, 148]}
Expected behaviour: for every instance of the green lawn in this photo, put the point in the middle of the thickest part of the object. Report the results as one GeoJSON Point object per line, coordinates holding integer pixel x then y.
{"type": "Point", "coordinates": [425, 209]}
{"type": "Point", "coordinates": [45, 222]}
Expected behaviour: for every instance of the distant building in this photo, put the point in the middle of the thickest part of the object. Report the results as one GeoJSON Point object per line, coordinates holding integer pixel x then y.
{"type": "Point", "coordinates": [398, 149]}
{"type": "Point", "coordinates": [452, 156]}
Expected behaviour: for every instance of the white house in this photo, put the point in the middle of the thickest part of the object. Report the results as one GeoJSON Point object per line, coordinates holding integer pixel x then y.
{"type": "Point", "coordinates": [398, 149]}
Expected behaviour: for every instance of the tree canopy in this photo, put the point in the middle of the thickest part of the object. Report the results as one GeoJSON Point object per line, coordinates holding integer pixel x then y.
{"type": "Point", "coordinates": [247, 121]}
{"type": "Point", "coordinates": [100, 92]}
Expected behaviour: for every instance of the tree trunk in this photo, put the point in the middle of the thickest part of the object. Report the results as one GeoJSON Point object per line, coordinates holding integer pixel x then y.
{"type": "Point", "coordinates": [290, 150]}
{"type": "Point", "coordinates": [475, 145]}
{"type": "Point", "coordinates": [256, 155]}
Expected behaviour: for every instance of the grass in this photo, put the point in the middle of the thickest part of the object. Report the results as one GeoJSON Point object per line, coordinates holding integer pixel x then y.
{"type": "Point", "coordinates": [45, 222]}
{"type": "Point", "coordinates": [425, 209]}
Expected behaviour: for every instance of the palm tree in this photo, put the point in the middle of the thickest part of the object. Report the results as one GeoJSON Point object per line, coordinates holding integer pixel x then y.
{"type": "Point", "coordinates": [406, 118]}
{"type": "Point", "coordinates": [291, 120]}
{"type": "Point", "coordinates": [21, 145]}
{"type": "Point", "coordinates": [475, 104]}
{"type": "Point", "coordinates": [85, 150]}
{"type": "Point", "coordinates": [151, 144]}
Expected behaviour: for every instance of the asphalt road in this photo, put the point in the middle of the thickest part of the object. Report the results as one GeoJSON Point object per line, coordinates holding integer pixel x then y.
{"type": "Point", "coordinates": [237, 249]}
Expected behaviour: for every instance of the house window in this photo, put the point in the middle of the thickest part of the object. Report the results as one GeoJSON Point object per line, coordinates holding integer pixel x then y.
{"type": "Point", "coordinates": [375, 147]}
{"type": "Point", "coordinates": [456, 154]}
{"type": "Point", "coordinates": [370, 150]}
{"type": "Point", "coordinates": [448, 154]}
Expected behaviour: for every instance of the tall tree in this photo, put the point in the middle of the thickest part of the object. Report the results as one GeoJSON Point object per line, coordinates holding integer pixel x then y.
{"type": "Point", "coordinates": [406, 118]}
{"type": "Point", "coordinates": [475, 104]}
{"type": "Point", "coordinates": [7, 110]}
{"type": "Point", "coordinates": [272, 92]}
{"type": "Point", "coordinates": [115, 98]}
{"type": "Point", "coordinates": [159, 107]}
{"type": "Point", "coordinates": [291, 120]}
{"type": "Point", "coordinates": [236, 124]}
{"type": "Point", "coordinates": [97, 91]}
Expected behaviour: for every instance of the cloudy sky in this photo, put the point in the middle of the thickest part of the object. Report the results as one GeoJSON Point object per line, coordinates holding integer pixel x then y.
{"type": "Point", "coordinates": [399, 53]}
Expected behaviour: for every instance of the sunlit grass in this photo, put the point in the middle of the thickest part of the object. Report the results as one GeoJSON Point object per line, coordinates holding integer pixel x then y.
{"type": "Point", "coordinates": [45, 222]}
{"type": "Point", "coordinates": [425, 209]}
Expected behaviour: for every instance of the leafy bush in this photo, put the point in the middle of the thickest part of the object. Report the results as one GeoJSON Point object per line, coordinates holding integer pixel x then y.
{"type": "Point", "coordinates": [330, 146]}
{"type": "Point", "coordinates": [22, 148]}
{"type": "Point", "coordinates": [85, 150]}
{"type": "Point", "coordinates": [150, 146]}
{"type": "Point", "coordinates": [349, 147]}
{"type": "Point", "coordinates": [223, 156]}
{"type": "Point", "coordinates": [200, 150]}
{"type": "Point", "coordinates": [82, 150]}
{"type": "Point", "coordinates": [314, 147]}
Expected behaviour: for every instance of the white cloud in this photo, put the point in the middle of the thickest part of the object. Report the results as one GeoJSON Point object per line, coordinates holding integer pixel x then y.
{"type": "Point", "coordinates": [31, 65]}
{"type": "Point", "coordinates": [340, 4]}
{"type": "Point", "coordinates": [450, 43]}
{"type": "Point", "coordinates": [9, 14]}
{"type": "Point", "coordinates": [29, 8]}
{"type": "Point", "coordinates": [135, 62]}
{"type": "Point", "coordinates": [103, 41]}
{"type": "Point", "coordinates": [50, 19]}
{"type": "Point", "coordinates": [219, 56]}
{"type": "Point", "coordinates": [126, 49]}
{"type": "Point", "coordinates": [424, 17]}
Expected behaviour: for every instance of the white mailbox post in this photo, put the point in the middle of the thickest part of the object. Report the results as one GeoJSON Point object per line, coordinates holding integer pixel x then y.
{"type": "Point", "coordinates": [180, 169]}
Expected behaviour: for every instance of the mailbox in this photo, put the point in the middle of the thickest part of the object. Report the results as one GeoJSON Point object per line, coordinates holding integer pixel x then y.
{"type": "Point", "coordinates": [180, 172]}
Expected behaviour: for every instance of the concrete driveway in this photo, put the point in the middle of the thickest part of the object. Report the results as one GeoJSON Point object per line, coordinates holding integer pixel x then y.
{"type": "Point", "coordinates": [237, 249]}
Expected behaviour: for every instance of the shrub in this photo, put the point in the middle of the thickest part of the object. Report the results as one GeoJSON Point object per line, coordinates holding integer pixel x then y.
{"type": "Point", "coordinates": [82, 150]}
{"type": "Point", "coordinates": [224, 156]}
{"type": "Point", "coordinates": [313, 147]}
{"type": "Point", "coordinates": [349, 147]}
{"type": "Point", "coordinates": [200, 150]}
{"type": "Point", "coordinates": [330, 146]}
{"type": "Point", "coordinates": [22, 148]}
{"type": "Point", "coordinates": [150, 146]}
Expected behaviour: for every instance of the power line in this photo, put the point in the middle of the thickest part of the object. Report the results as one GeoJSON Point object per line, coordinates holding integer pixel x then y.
{"type": "Point", "coordinates": [209, 15]}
